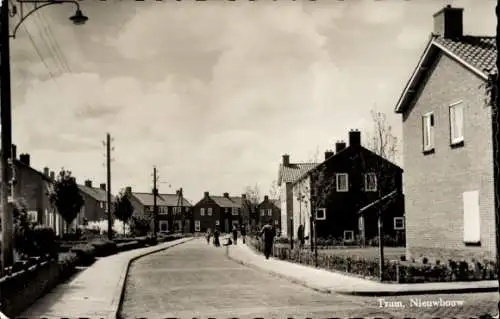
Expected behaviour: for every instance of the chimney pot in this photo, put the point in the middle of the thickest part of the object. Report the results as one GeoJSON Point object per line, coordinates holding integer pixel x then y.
{"type": "Point", "coordinates": [328, 154]}
{"type": "Point", "coordinates": [339, 146]}
{"type": "Point", "coordinates": [266, 198]}
{"type": "Point", "coordinates": [206, 194]}
{"type": "Point", "coordinates": [88, 183]}
{"type": "Point", "coordinates": [244, 196]}
{"type": "Point", "coordinates": [448, 22]}
{"type": "Point", "coordinates": [226, 195]}
{"type": "Point", "coordinates": [354, 138]}
{"type": "Point", "coordinates": [25, 159]}
{"type": "Point", "coordinates": [102, 186]}
{"type": "Point", "coordinates": [52, 175]}
{"type": "Point", "coordinates": [46, 171]}
{"type": "Point", "coordinates": [128, 190]}
{"type": "Point", "coordinates": [286, 160]}
{"type": "Point", "coordinates": [14, 151]}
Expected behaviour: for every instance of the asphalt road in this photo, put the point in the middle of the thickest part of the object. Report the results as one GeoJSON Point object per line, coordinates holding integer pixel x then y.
{"type": "Point", "coordinates": [195, 280]}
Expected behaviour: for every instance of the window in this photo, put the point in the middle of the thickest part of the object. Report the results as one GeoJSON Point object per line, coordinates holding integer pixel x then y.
{"type": "Point", "coordinates": [235, 211]}
{"type": "Point", "coordinates": [163, 225]}
{"type": "Point", "coordinates": [262, 212]}
{"type": "Point", "coordinates": [226, 210]}
{"type": "Point", "coordinates": [202, 211]}
{"type": "Point", "coordinates": [269, 212]}
{"type": "Point", "coordinates": [101, 204]}
{"type": "Point", "coordinates": [370, 182]}
{"type": "Point", "coordinates": [217, 223]}
{"type": "Point", "coordinates": [321, 214]}
{"type": "Point", "coordinates": [197, 225]}
{"type": "Point", "coordinates": [33, 216]}
{"type": "Point", "coordinates": [276, 222]}
{"type": "Point", "coordinates": [342, 181]}
{"type": "Point", "coordinates": [209, 211]}
{"type": "Point", "coordinates": [456, 123]}
{"type": "Point", "coordinates": [348, 235]}
{"type": "Point", "coordinates": [428, 132]}
{"type": "Point", "coordinates": [399, 223]}
{"type": "Point", "coordinates": [472, 219]}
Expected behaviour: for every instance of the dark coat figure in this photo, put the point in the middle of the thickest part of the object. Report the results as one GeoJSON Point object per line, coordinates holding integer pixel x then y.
{"type": "Point", "coordinates": [243, 232]}
{"type": "Point", "coordinates": [300, 236]}
{"type": "Point", "coordinates": [268, 232]}
{"type": "Point", "coordinates": [216, 237]}
{"type": "Point", "coordinates": [235, 234]}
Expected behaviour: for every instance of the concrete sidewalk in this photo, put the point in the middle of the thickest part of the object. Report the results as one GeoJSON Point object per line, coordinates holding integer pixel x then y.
{"type": "Point", "coordinates": [96, 291]}
{"type": "Point", "coordinates": [337, 282]}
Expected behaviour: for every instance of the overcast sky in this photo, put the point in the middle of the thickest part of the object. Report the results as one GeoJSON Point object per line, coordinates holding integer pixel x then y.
{"type": "Point", "coordinates": [212, 92]}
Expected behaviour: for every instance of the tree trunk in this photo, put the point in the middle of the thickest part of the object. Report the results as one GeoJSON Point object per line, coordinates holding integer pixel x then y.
{"type": "Point", "coordinates": [496, 147]}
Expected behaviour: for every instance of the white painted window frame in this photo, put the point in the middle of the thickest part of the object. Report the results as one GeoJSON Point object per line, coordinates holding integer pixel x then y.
{"type": "Point", "coordinates": [349, 232]}
{"type": "Point", "coordinates": [456, 112]}
{"type": "Point", "coordinates": [234, 211]}
{"type": "Point", "coordinates": [163, 222]}
{"type": "Point", "coordinates": [209, 211]}
{"type": "Point", "coordinates": [395, 221]}
{"type": "Point", "coordinates": [320, 217]}
{"type": "Point", "coordinates": [197, 225]}
{"type": "Point", "coordinates": [337, 183]}
{"type": "Point", "coordinates": [367, 182]}
{"type": "Point", "coordinates": [428, 131]}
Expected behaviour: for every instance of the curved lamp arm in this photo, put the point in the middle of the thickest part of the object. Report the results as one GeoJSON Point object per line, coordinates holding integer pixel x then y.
{"type": "Point", "coordinates": [38, 4]}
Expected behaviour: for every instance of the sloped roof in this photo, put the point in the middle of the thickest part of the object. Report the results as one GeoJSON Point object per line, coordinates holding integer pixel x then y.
{"type": "Point", "coordinates": [147, 199]}
{"type": "Point", "coordinates": [293, 171]}
{"type": "Point", "coordinates": [96, 193]}
{"type": "Point", "coordinates": [224, 201]}
{"type": "Point", "coordinates": [476, 53]}
{"type": "Point", "coordinates": [20, 164]}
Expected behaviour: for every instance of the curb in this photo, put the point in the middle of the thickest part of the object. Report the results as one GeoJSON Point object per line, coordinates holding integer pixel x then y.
{"type": "Point", "coordinates": [289, 278]}
{"type": "Point", "coordinates": [368, 293]}
{"type": "Point", "coordinates": [120, 291]}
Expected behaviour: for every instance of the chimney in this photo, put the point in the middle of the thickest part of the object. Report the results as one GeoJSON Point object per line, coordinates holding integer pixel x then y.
{"type": "Point", "coordinates": [25, 159]}
{"type": "Point", "coordinates": [354, 138]}
{"type": "Point", "coordinates": [206, 194]}
{"type": "Point", "coordinates": [46, 171]}
{"type": "Point", "coordinates": [226, 195]}
{"type": "Point", "coordinates": [244, 196]}
{"type": "Point", "coordinates": [339, 146]}
{"type": "Point", "coordinates": [448, 22]}
{"type": "Point", "coordinates": [266, 198]}
{"type": "Point", "coordinates": [52, 175]}
{"type": "Point", "coordinates": [102, 186]}
{"type": "Point", "coordinates": [328, 154]}
{"type": "Point", "coordinates": [88, 183]}
{"type": "Point", "coordinates": [14, 151]}
{"type": "Point", "coordinates": [286, 160]}
{"type": "Point", "coordinates": [128, 190]}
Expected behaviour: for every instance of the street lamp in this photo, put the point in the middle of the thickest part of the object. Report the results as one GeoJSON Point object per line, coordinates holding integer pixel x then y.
{"type": "Point", "coordinates": [6, 107]}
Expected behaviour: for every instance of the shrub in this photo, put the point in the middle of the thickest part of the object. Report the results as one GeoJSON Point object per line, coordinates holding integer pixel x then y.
{"type": "Point", "coordinates": [104, 248]}
{"type": "Point", "coordinates": [85, 254]}
{"type": "Point", "coordinates": [140, 226]}
{"type": "Point", "coordinates": [44, 238]}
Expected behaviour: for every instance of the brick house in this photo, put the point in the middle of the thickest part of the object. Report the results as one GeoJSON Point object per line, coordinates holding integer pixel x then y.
{"type": "Point", "coordinates": [447, 133]}
{"type": "Point", "coordinates": [287, 175]}
{"type": "Point", "coordinates": [269, 209]}
{"type": "Point", "coordinates": [94, 203]}
{"type": "Point", "coordinates": [217, 211]}
{"type": "Point", "coordinates": [173, 209]}
{"type": "Point", "coordinates": [345, 184]}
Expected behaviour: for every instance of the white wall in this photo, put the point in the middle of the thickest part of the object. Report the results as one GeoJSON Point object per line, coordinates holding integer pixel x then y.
{"type": "Point", "coordinates": [302, 209]}
{"type": "Point", "coordinates": [284, 219]}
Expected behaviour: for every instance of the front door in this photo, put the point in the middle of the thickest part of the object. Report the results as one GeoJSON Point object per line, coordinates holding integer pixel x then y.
{"type": "Point", "coordinates": [226, 225]}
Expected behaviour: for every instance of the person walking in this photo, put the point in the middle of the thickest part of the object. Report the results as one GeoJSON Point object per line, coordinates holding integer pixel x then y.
{"type": "Point", "coordinates": [208, 235]}
{"type": "Point", "coordinates": [268, 232]}
{"type": "Point", "coordinates": [300, 236]}
{"type": "Point", "coordinates": [235, 234]}
{"type": "Point", "coordinates": [243, 232]}
{"type": "Point", "coordinates": [216, 237]}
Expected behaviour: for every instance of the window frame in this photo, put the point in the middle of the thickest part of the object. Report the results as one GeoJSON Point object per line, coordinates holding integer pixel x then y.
{"type": "Point", "coordinates": [209, 211]}
{"type": "Point", "coordinates": [399, 218]}
{"type": "Point", "coordinates": [320, 210]}
{"type": "Point", "coordinates": [197, 226]}
{"type": "Point", "coordinates": [163, 222]}
{"type": "Point", "coordinates": [217, 222]}
{"type": "Point", "coordinates": [454, 140]}
{"type": "Point", "coordinates": [349, 232]}
{"type": "Point", "coordinates": [375, 188]}
{"type": "Point", "coordinates": [337, 176]}
{"type": "Point", "coordinates": [234, 211]}
{"type": "Point", "coordinates": [262, 212]}
{"type": "Point", "coordinates": [202, 211]}
{"type": "Point", "coordinates": [428, 120]}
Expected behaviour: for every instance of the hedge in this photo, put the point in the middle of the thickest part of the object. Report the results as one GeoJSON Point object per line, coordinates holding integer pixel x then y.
{"type": "Point", "coordinates": [394, 271]}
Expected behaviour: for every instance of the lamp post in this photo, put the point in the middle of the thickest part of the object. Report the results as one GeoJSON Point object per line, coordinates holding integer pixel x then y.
{"type": "Point", "coordinates": [6, 107]}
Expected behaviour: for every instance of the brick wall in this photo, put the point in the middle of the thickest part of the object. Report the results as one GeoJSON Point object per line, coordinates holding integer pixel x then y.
{"type": "Point", "coordinates": [92, 209]}
{"type": "Point", "coordinates": [434, 183]}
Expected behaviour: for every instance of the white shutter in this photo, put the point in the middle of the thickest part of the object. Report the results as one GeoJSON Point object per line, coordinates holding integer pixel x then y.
{"type": "Point", "coordinates": [472, 219]}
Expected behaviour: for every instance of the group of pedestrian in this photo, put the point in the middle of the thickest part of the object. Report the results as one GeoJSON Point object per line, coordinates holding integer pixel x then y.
{"type": "Point", "coordinates": [216, 235]}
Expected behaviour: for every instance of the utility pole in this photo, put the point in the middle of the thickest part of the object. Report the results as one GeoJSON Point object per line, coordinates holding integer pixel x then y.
{"type": "Point", "coordinates": [108, 188]}
{"type": "Point", "coordinates": [495, 111]}
{"type": "Point", "coordinates": [155, 204]}
{"type": "Point", "coordinates": [181, 199]}
{"type": "Point", "coordinates": [6, 138]}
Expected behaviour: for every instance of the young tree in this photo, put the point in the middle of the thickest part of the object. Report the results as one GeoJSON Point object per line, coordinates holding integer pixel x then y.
{"type": "Point", "coordinates": [66, 197]}
{"type": "Point", "coordinates": [274, 190]}
{"type": "Point", "coordinates": [123, 209]}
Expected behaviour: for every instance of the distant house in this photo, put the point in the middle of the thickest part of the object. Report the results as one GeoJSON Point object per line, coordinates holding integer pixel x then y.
{"type": "Point", "coordinates": [173, 210]}
{"type": "Point", "coordinates": [342, 190]}
{"type": "Point", "coordinates": [94, 203]}
{"type": "Point", "coordinates": [287, 175]}
{"type": "Point", "coordinates": [448, 156]}
{"type": "Point", "coordinates": [269, 209]}
{"type": "Point", "coordinates": [217, 211]}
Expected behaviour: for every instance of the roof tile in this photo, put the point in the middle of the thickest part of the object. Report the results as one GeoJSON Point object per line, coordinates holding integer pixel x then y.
{"type": "Point", "coordinates": [293, 171]}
